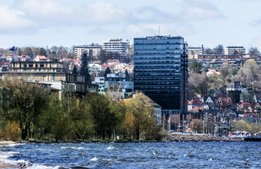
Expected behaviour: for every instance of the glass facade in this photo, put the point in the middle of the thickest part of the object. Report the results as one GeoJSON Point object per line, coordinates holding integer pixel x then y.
{"type": "Point", "coordinates": [160, 70]}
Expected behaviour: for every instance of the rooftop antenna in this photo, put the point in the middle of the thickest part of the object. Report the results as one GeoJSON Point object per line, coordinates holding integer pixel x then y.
{"type": "Point", "coordinates": [159, 30]}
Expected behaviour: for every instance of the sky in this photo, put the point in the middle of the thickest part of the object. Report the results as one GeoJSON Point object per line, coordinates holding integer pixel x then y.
{"type": "Point", "coordinates": [44, 23]}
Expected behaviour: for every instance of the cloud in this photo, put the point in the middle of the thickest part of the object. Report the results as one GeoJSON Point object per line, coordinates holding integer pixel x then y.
{"type": "Point", "coordinates": [200, 10]}
{"type": "Point", "coordinates": [12, 19]}
{"type": "Point", "coordinates": [47, 11]}
{"type": "Point", "coordinates": [106, 13]}
{"type": "Point", "coordinates": [65, 13]}
{"type": "Point", "coordinates": [152, 15]}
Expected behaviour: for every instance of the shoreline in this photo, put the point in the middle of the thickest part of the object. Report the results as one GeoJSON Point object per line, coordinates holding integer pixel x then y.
{"type": "Point", "coordinates": [200, 138]}
{"type": "Point", "coordinates": [169, 138]}
{"type": "Point", "coordinates": [6, 142]}
{"type": "Point", "coordinates": [4, 162]}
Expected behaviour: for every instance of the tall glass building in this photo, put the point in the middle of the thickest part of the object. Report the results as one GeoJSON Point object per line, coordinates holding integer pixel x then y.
{"type": "Point", "coordinates": [161, 72]}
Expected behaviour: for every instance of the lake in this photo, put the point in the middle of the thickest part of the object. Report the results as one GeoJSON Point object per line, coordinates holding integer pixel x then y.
{"type": "Point", "coordinates": [135, 155]}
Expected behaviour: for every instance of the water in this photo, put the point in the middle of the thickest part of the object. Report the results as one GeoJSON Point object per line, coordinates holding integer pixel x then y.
{"type": "Point", "coordinates": [135, 155]}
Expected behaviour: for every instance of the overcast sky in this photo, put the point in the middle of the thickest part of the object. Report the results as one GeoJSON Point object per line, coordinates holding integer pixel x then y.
{"type": "Point", "coordinates": [78, 22]}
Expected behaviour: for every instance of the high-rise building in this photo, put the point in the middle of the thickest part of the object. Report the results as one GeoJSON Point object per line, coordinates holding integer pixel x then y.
{"type": "Point", "coordinates": [117, 46]}
{"type": "Point", "coordinates": [161, 72]}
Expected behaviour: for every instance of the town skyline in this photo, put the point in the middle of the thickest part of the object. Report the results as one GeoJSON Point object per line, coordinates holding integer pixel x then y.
{"type": "Point", "coordinates": [50, 23]}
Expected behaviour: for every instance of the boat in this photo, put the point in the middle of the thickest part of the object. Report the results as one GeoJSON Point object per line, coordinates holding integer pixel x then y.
{"type": "Point", "coordinates": [239, 134]}
{"type": "Point", "coordinates": [255, 137]}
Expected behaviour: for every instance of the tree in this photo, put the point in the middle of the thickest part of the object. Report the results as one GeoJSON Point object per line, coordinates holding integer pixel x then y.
{"type": "Point", "coordinates": [59, 52]}
{"type": "Point", "coordinates": [118, 109]}
{"type": "Point", "coordinates": [219, 50]}
{"type": "Point", "coordinates": [27, 51]}
{"type": "Point", "coordinates": [25, 102]}
{"type": "Point", "coordinates": [85, 68]}
{"type": "Point", "coordinates": [195, 66]}
{"type": "Point", "coordinates": [253, 51]}
{"type": "Point", "coordinates": [104, 119]}
{"type": "Point", "coordinates": [215, 82]}
{"type": "Point", "coordinates": [196, 125]}
{"type": "Point", "coordinates": [227, 72]}
{"type": "Point", "coordinates": [107, 71]}
{"type": "Point", "coordinates": [103, 57]}
{"type": "Point", "coordinates": [139, 118]}
{"type": "Point", "coordinates": [127, 75]}
{"type": "Point", "coordinates": [39, 51]}
{"type": "Point", "coordinates": [54, 122]}
{"type": "Point", "coordinates": [198, 84]}
{"type": "Point", "coordinates": [249, 74]}
{"type": "Point", "coordinates": [75, 70]}
{"type": "Point", "coordinates": [241, 125]}
{"type": "Point", "coordinates": [208, 51]}
{"type": "Point", "coordinates": [82, 120]}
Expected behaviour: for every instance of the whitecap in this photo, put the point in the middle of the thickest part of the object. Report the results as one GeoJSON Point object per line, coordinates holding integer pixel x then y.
{"type": "Point", "coordinates": [110, 148]}
{"type": "Point", "coordinates": [11, 144]}
{"type": "Point", "coordinates": [94, 159]}
{"type": "Point", "coordinates": [38, 166]}
{"type": "Point", "coordinates": [73, 148]}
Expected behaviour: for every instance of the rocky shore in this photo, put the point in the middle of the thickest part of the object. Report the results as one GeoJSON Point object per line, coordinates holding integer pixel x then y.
{"type": "Point", "coordinates": [181, 137]}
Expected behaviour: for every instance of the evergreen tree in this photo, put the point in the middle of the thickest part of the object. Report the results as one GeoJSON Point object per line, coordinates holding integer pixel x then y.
{"type": "Point", "coordinates": [107, 71]}
{"type": "Point", "coordinates": [84, 68]}
{"type": "Point", "coordinates": [75, 70]}
{"type": "Point", "coordinates": [127, 76]}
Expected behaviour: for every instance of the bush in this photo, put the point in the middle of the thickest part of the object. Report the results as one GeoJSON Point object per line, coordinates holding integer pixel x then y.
{"type": "Point", "coordinates": [11, 131]}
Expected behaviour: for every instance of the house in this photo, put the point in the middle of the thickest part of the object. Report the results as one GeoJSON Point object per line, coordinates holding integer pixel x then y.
{"type": "Point", "coordinates": [40, 58]}
{"type": "Point", "coordinates": [224, 102]}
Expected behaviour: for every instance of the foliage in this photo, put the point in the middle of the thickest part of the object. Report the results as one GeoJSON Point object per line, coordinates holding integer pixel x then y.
{"type": "Point", "coordinates": [107, 71]}
{"type": "Point", "coordinates": [35, 114]}
{"type": "Point", "coordinates": [254, 51]}
{"type": "Point", "coordinates": [11, 131]}
{"type": "Point", "coordinates": [219, 50]}
{"type": "Point", "coordinates": [81, 118]}
{"type": "Point", "coordinates": [84, 68]}
{"type": "Point", "coordinates": [195, 66]}
{"type": "Point", "coordinates": [75, 70]}
{"type": "Point", "coordinates": [104, 119]}
{"type": "Point", "coordinates": [139, 120]}
{"type": "Point", "coordinates": [249, 75]}
{"type": "Point", "coordinates": [196, 125]}
{"type": "Point", "coordinates": [25, 102]}
{"type": "Point", "coordinates": [106, 55]}
{"type": "Point", "coordinates": [208, 51]}
{"type": "Point", "coordinates": [198, 83]}
{"type": "Point", "coordinates": [242, 125]}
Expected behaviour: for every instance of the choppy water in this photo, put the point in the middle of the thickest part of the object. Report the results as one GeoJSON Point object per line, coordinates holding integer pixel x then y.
{"type": "Point", "coordinates": [136, 155]}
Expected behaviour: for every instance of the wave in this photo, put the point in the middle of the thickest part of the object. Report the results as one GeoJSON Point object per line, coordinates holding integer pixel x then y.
{"type": "Point", "coordinates": [110, 148]}
{"type": "Point", "coordinates": [38, 166]}
{"type": "Point", "coordinates": [94, 159]}
{"type": "Point", "coordinates": [73, 148]}
{"type": "Point", "coordinates": [5, 159]}
{"type": "Point", "coordinates": [12, 144]}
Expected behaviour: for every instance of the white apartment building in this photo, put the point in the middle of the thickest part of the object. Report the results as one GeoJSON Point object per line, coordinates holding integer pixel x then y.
{"type": "Point", "coordinates": [92, 50]}
{"type": "Point", "coordinates": [193, 52]}
{"type": "Point", "coordinates": [116, 45]}
{"type": "Point", "coordinates": [230, 50]}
